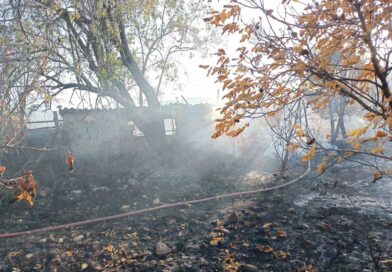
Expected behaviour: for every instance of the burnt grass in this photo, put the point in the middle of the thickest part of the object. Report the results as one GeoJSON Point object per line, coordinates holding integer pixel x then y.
{"type": "Point", "coordinates": [317, 224]}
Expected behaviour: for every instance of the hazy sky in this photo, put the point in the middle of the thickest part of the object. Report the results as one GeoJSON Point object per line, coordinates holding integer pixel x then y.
{"type": "Point", "coordinates": [194, 80]}
{"type": "Point", "coordinates": [196, 84]}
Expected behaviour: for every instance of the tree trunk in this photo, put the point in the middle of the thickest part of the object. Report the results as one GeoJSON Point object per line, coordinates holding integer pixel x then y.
{"type": "Point", "coordinates": [150, 121]}
{"type": "Point", "coordinates": [334, 130]}
{"type": "Point", "coordinates": [342, 108]}
{"type": "Point", "coordinates": [284, 161]}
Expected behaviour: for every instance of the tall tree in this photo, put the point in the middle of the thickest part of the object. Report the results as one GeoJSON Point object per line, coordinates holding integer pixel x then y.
{"type": "Point", "coordinates": [309, 50]}
{"type": "Point", "coordinates": [19, 72]}
{"type": "Point", "coordinates": [109, 47]}
{"type": "Point", "coordinates": [336, 112]}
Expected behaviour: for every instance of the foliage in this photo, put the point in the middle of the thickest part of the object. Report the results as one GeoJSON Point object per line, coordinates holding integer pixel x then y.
{"type": "Point", "coordinates": [229, 263]}
{"type": "Point", "coordinates": [109, 48]}
{"type": "Point", "coordinates": [310, 51]}
{"type": "Point", "coordinates": [19, 97]}
{"type": "Point", "coordinates": [69, 160]}
{"type": "Point", "coordinates": [24, 187]}
{"type": "Point", "coordinates": [106, 53]}
{"type": "Point", "coordinates": [18, 75]}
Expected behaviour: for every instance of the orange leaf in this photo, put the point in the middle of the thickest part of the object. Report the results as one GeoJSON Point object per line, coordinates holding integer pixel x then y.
{"type": "Point", "coordinates": [25, 195]}
{"type": "Point", "coordinates": [369, 116]}
{"type": "Point", "coordinates": [267, 225]}
{"type": "Point", "coordinates": [353, 60]}
{"type": "Point", "coordinates": [281, 234]}
{"type": "Point", "coordinates": [204, 66]}
{"type": "Point", "coordinates": [308, 156]}
{"type": "Point", "coordinates": [377, 175]}
{"type": "Point", "coordinates": [215, 241]}
{"type": "Point", "coordinates": [69, 160]}
{"type": "Point", "coordinates": [19, 197]}
{"type": "Point", "coordinates": [265, 249]}
{"type": "Point", "coordinates": [108, 249]}
{"type": "Point", "coordinates": [29, 200]}
{"type": "Point", "coordinates": [281, 254]}
{"type": "Point", "coordinates": [381, 134]}
{"type": "Point", "coordinates": [321, 167]}
{"type": "Point", "coordinates": [292, 147]}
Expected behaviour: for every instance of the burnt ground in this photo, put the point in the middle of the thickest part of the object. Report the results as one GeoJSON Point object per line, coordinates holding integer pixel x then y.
{"type": "Point", "coordinates": [336, 222]}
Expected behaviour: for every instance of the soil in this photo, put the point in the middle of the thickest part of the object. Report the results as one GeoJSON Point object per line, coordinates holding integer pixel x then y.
{"type": "Point", "coordinates": [339, 221]}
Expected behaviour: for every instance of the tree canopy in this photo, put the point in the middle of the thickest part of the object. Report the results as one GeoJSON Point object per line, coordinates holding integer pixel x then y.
{"type": "Point", "coordinates": [120, 51]}
{"type": "Point", "coordinates": [310, 51]}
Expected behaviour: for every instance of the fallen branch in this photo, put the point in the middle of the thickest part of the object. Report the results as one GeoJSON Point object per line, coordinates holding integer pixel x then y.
{"type": "Point", "coordinates": [25, 147]}
{"type": "Point", "coordinates": [161, 207]}
{"type": "Point", "coordinates": [8, 183]}
{"type": "Point", "coordinates": [5, 185]}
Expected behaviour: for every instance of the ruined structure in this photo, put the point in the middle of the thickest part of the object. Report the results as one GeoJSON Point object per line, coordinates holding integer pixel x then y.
{"type": "Point", "coordinates": [112, 131]}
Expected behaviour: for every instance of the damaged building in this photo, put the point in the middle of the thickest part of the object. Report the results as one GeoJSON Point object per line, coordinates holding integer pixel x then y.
{"type": "Point", "coordinates": [112, 130]}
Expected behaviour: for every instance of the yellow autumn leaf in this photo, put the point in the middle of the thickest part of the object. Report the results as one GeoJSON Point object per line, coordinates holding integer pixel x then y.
{"type": "Point", "coordinates": [299, 133]}
{"type": "Point", "coordinates": [267, 225]}
{"type": "Point", "coordinates": [356, 146]}
{"type": "Point", "coordinates": [377, 150]}
{"type": "Point", "coordinates": [48, 98]}
{"type": "Point", "coordinates": [358, 132]}
{"type": "Point", "coordinates": [308, 156]}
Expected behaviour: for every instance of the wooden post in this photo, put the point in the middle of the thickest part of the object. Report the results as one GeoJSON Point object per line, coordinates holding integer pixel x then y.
{"type": "Point", "coordinates": [56, 120]}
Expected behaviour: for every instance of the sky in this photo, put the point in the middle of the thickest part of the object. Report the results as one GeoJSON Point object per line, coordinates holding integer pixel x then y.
{"type": "Point", "coordinates": [196, 85]}
{"type": "Point", "coordinates": [194, 80]}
